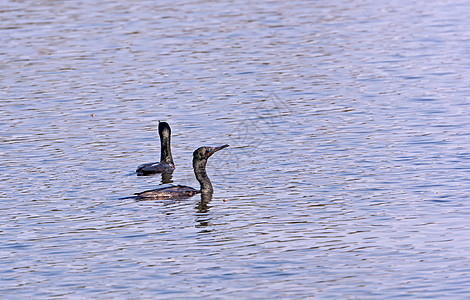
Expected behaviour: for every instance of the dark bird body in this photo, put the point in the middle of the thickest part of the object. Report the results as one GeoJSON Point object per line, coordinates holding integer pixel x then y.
{"type": "Point", "coordinates": [172, 192]}
{"type": "Point", "coordinates": [166, 164]}
{"type": "Point", "coordinates": [200, 157]}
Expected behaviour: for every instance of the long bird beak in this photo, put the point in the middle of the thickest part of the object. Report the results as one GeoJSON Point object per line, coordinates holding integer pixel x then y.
{"type": "Point", "coordinates": [220, 148]}
{"type": "Point", "coordinates": [212, 150]}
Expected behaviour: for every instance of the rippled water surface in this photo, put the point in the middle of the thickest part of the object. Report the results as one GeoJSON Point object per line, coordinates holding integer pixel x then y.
{"type": "Point", "coordinates": [347, 175]}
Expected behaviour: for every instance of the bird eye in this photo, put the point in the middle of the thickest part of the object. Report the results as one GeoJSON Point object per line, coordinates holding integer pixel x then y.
{"type": "Point", "coordinates": [209, 150]}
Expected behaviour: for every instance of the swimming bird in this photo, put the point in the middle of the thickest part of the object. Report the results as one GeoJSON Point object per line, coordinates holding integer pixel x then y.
{"type": "Point", "coordinates": [166, 164]}
{"type": "Point", "coordinates": [200, 157]}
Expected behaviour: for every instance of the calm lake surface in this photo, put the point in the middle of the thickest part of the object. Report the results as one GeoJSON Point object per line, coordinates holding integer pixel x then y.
{"type": "Point", "coordinates": [347, 175]}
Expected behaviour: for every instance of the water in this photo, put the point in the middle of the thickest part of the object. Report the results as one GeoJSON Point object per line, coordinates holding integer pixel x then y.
{"type": "Point", "coordinates": [347, 171]}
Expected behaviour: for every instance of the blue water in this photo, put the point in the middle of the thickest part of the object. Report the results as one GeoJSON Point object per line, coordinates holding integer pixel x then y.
{"type": "Point", "coordinates": [346, 176]}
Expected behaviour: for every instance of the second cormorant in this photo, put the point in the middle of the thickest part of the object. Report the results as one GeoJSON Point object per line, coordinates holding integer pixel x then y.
{"type": "Point", "coordinates": [166, 164]}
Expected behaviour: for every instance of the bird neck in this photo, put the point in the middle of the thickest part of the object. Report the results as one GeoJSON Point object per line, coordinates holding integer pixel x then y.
{"type": "Point", "coordinates": [165, 155]}
{"type": "Point", "coordinates": [199, 167]}
{"type": "Point", "coordinates": [203, 206]}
